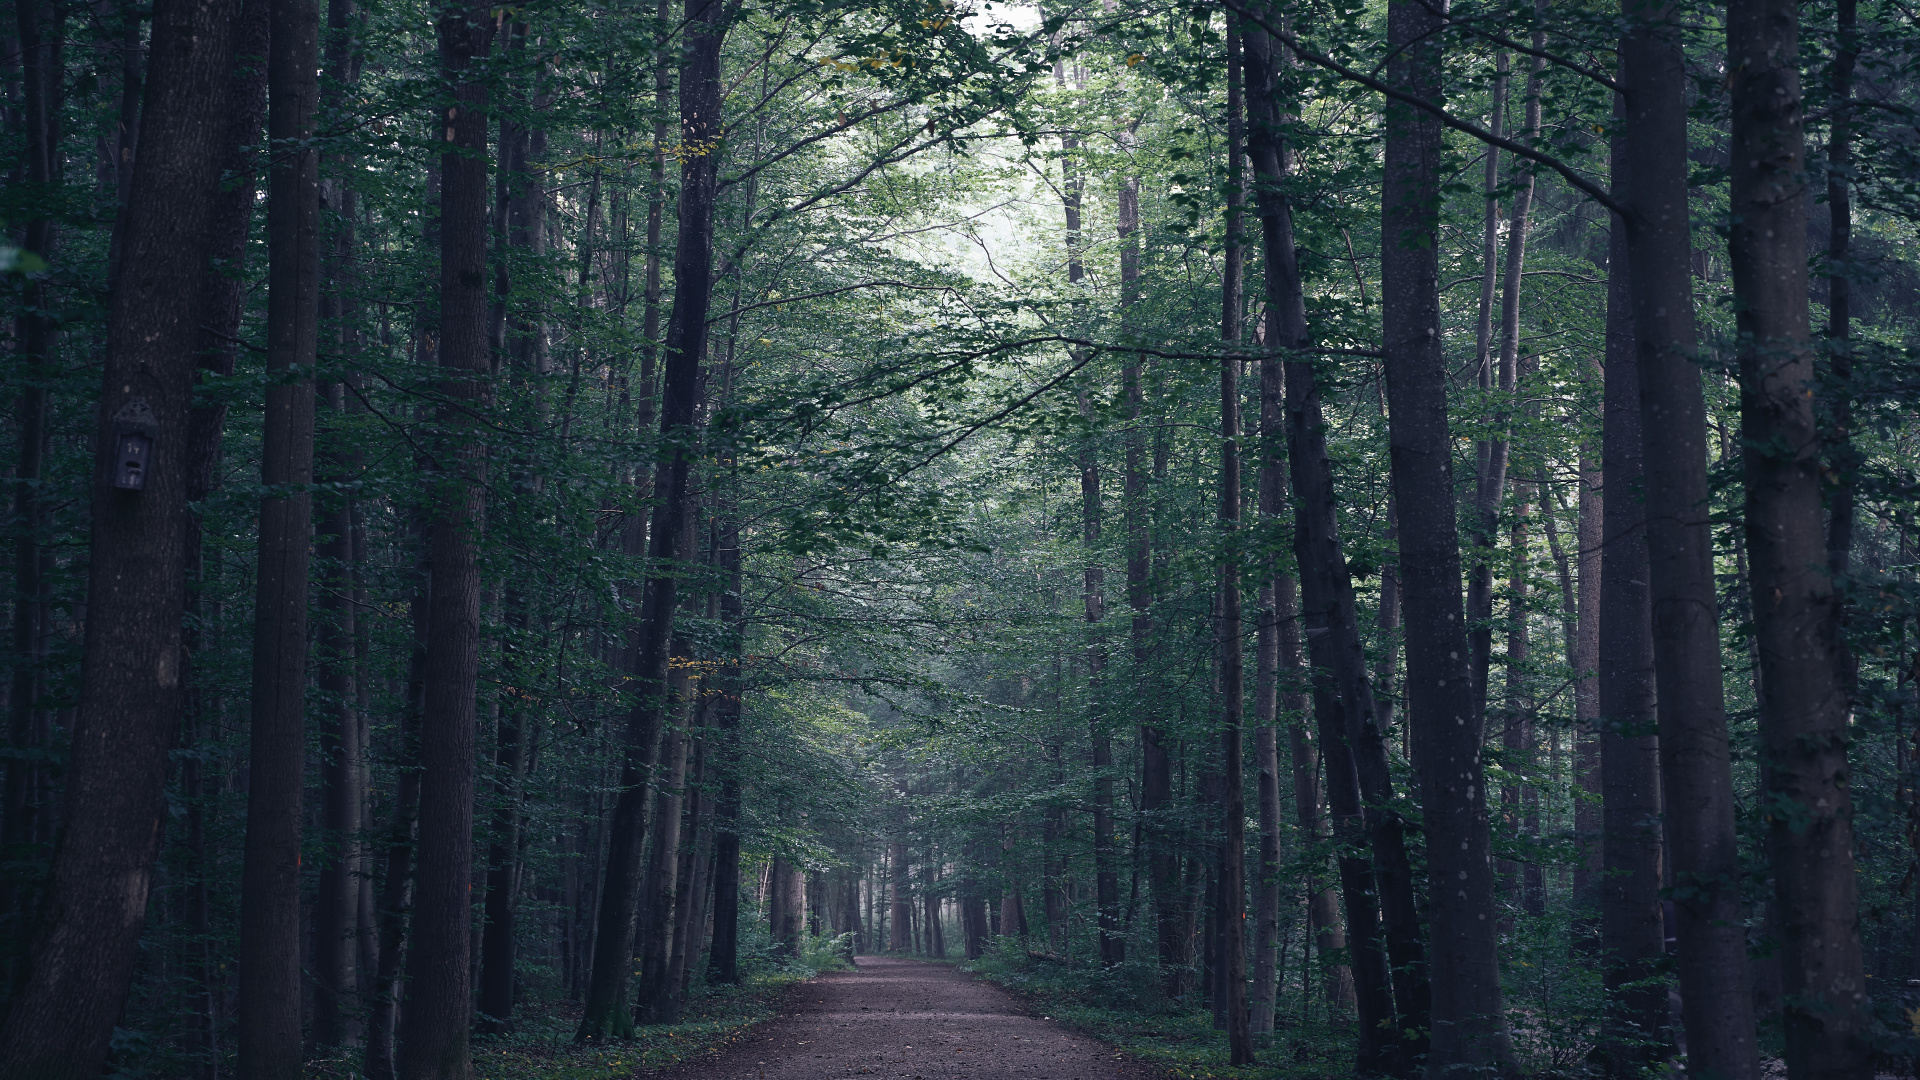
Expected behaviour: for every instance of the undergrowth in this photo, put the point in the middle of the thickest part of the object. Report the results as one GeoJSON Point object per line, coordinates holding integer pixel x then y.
{"type": "Point", "coordinates": [541, 1045]}
{"type": "Point", "coordinates": [1122, 1007]}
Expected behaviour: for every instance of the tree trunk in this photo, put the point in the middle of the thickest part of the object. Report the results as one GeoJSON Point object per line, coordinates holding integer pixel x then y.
{"type": "Point", "coordinates": [1632, 938]}
{"type": "Point", "coordinates": [723, 958]}
{"type": "Point", "coordinates": [1583, 655]}
{"type": "Point", "coordinates": [1699, 804]}
{"type": "Point", "coordinates": [337, 974]}
{"type": "Point", "coordinates": [498, 937]}
{"type": "Point", "coordinates": [692, 878]}
{"type": "Point", "coordinates": [1263, 998]}
{"type": "Point", "coordinates": [1844, 460]}
{"type": "Point", "coordinates": [438, 1012]}
{"type": "Point", "coordinates": [1804, 706]}
{"type": "Point", "coordinates": [1100, 739]}
{"type": "Point", "coordinates": [1491, 483]}
{"type": "Point", "coordinates": [131, 688]}
{"type": "Point", "coordinates": [653, 997]}
{"type": "Point", "coordinates": [1233, 843]}
{"type": "Point", "coordinates": [1522, 741]}
{"type": "Point", "coordinates": [1468, 1021]}
{"type": "Point", "coordinates": [1343, 697]}
{"type": "Point", "coordinates": [1487, 451]}
{"type": "Point", "coordinates": [685, 346]}
{"type": "Point", "coordinates": [269, 996]}
{"type": "Point", "coordinates": [900, 899]}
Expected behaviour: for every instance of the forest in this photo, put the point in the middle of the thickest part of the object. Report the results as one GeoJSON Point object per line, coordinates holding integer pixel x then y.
{"type": "Point", "coordinates": [1324, 537]}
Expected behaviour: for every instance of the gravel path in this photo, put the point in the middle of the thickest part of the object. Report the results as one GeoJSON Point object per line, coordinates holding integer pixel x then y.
{"type": "Point", "coordinates": [909, 1021]}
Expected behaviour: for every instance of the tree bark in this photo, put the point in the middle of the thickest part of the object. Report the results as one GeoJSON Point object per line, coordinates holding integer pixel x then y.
{"type": "Point", "coordinates": [694, 877]}
{"type": "Point", "coordinates": [269, 996]}
{"type": "Point", "coordinates": [1156, 766]}
{"type": "Point", "coordinates": [1491, 483]}
{"type": "Point", "coordinates": [438, 1013]}
{"type": "Point", "coordinates": [685, 346]}
{"type": "Point", "coordinates": [900, 898]}
{"type": "Point", "coordinates": [1343, 695]}
{"type": "Point", "coordinates": [1583, 651]}
{"type": "Point", "coordinates": [1264, 996]}
{"type": "Point", "coordinates": [1804, 706]}
{"type": "Point", "coordinates": [337, 975]}
{"type": "Point", "coordinates": [1233, 843]}
{"type": "Point", "coordinates": [131, 689]}
{"type": "Point", "coordinates": [1694, 763]}
{"type": "Point", "coordinates": [1468, 1021]}
{"type": "Point", "coordinates": [497, 938]}
{"type": "Point", "coordinates": [1844, 460]}
{"type": "Point", "coordinates": [1632, 937]}
{"type": "Point", "coordinates": [653, 997]}
{"type": "Point", "coordinates": [723, 957]}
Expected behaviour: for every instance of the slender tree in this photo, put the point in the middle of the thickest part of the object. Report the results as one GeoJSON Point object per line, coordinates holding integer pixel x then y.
{"type": "Point", "coordinates": [1233, 845]}
{"type": "Point", "coordinates": [1468, 1020]}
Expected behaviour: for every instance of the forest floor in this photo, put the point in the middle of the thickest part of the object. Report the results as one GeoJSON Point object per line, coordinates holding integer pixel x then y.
{"type": "Point", "coordinates": [909, 1020]}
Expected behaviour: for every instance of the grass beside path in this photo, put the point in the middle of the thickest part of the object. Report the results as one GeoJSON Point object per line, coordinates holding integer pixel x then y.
{"type": "Point", "coordinates": [1111, 1007]}
{"type": "Point", "coordinates": [543, 1048]}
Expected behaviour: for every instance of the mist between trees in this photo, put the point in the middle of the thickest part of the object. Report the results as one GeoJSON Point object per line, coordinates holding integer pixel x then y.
{"type": "Point", "coordinates": [1380, 530]}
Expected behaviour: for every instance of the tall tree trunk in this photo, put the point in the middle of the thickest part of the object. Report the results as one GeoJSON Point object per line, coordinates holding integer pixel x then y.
{"type": "Point", "coordinates": [336, 993]}
{"type": "Point", "coordinates": [663, 868]}
{"type": "Point", "coordinates": [692, 876]}
{"type": "Point", "coordinates": [1695, 769]}
{"type": "Point", "coordinates": [1100, 739]}
{"type": "Point", "coordinates": [1468, 1021]}
{"type": "Point", "coordinates": [1343, 696]}
{"type": "Point", "coordinates": [1804, 706]}
{"type": "Point", "coordinates": [269, 996]}
{"type": "Point", "coordinates": [1156, 776]}
{"type": "Point", "coordinates": [1487, 451]}
{"type": "Point", "coordinates": [397, 882]}
{"type": "Point", "coordinates": [1844, 460]}
{"type": "Point", "coordinates": [1490, 485]}
{"type": "Point", "coordinates": [685, 346]}
{"type": "Point", "coordinates": [131, 688]}
{"type": "Point", "coordinates": [221, 294]}
{"type": "Point", "coordinates": [523, 212]}
{"type": "Point", "coordinates": [1632, 937]}
{"type": "Point", "coordinates": [1232, 959]}
{"type": "Point", "coordinates": [1264, 996]}
{"type": "Point", "coordinates": [438, 1012]}
{"type": "Point", "coordinates": [337, 1005]}
{"type": "Point", "coordinates": [723, 958]}
{"type": "Point", "coordinates": [498, 952]}
{"type": "Point", "coordinates": [1519, 739]}
{"type": "Point", "coordinates": [1583, 653]}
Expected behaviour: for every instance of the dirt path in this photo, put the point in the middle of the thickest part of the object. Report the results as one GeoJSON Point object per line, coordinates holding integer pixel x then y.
{"type": "Point", "coordinates": [909, 1021]}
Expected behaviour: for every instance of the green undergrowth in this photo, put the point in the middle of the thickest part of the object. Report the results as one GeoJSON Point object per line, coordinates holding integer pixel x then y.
{"type": "Point", "coordinates": [1121, 1008]}
{"type": "Point", "coordinates": [541, 1046]}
